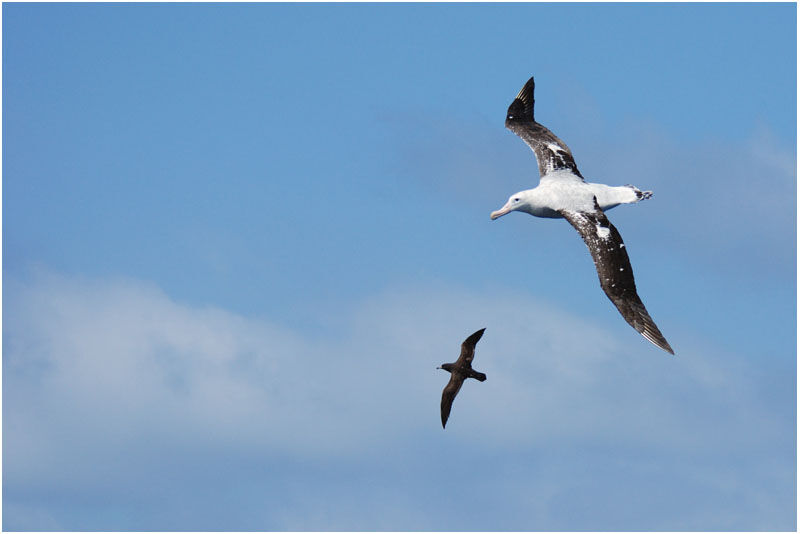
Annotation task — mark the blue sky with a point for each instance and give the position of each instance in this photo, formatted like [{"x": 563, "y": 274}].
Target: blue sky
[{"x": 238, "y": 239}]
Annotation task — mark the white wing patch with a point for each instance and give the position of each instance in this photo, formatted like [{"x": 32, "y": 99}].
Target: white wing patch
[{"x": 558, "y": 152}]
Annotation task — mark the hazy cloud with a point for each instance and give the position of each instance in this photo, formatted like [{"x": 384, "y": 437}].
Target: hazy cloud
[{"x": 109, "y": 381}]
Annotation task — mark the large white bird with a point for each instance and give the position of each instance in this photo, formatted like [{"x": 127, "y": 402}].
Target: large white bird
[{"x": 563, "y": 193}]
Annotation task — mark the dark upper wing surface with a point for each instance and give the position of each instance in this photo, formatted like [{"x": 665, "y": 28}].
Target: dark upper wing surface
[
  {"x": 449, "y": 394},
  {"x": 468, "y": 348},
  {"x": 614, "y": 270},
  {"x": 552, "y": 153}
]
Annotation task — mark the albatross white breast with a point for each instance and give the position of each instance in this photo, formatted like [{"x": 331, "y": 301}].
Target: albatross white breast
[{"x": 563, "y": 193}]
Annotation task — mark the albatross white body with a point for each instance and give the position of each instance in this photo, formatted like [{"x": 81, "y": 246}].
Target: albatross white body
[
  {"x": 563, "y": 190},
  {"x": 563, "y": 193}
]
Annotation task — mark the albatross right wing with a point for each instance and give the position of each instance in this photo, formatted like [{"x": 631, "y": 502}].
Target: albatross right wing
[
  {"x": 614, "y": 270},
  {"x": 552, "y": 154}
]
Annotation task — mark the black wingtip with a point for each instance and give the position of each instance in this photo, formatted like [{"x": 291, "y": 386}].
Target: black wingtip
[
  {"x": 664, "y": 344},
  {"x": 521, "y": 109},
  {"x": 650, "y": 331},
  {"x": 527, "y": 89},
  {"x": 661, "y": 343}
]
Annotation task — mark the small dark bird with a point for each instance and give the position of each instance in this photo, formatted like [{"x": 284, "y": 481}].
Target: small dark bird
[{"x": 459, "y": 371}]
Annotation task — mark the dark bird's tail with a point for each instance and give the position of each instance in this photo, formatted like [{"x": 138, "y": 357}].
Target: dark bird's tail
[{"x": 480, "y": 377}]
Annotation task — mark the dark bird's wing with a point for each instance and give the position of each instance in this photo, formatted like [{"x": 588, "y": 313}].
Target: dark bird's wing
[
  {"x": 468, "y": 349},
  {"x": 614, "y": 270},
  {"x": 449, "y": 394},
  {"x": 552, "y": 153}
]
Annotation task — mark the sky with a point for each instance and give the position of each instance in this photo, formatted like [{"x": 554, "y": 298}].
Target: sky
[{"x": 239, "y": 238}]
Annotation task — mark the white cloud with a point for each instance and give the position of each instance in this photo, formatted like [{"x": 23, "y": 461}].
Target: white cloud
[{"x": 101, "y": 376}]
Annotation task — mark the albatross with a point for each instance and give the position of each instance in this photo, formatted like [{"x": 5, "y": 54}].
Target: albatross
[
  {"x": 459, "y": 371},
  {"x": 563, "y": 193}
]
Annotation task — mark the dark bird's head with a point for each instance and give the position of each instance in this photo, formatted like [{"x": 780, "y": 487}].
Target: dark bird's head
[
  {"x": 447, "y": 367},
  {"x": 521, "y": 109}
]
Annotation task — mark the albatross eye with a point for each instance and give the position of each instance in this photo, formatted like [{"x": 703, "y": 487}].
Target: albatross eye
[{"x": 516, "y": 200}]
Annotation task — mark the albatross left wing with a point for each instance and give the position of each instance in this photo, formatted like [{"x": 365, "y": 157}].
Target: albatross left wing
[
  {"x": 614, "y": 270},
  {"x": 552, "y": 154}
]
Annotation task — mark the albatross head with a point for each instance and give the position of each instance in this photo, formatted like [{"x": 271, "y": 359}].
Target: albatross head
[{"x": 517, "y": 201}]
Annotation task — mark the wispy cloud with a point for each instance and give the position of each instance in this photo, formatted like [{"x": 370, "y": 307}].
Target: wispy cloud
[{"x": 108, "y": 381}]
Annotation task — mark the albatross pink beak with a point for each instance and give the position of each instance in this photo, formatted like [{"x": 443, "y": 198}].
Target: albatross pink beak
[{"x": 502, "y": 211}]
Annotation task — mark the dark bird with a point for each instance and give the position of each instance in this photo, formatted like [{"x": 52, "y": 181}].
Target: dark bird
[
  {"x": 563, "y": 193},
  {"x": 459, "y": 371}
]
